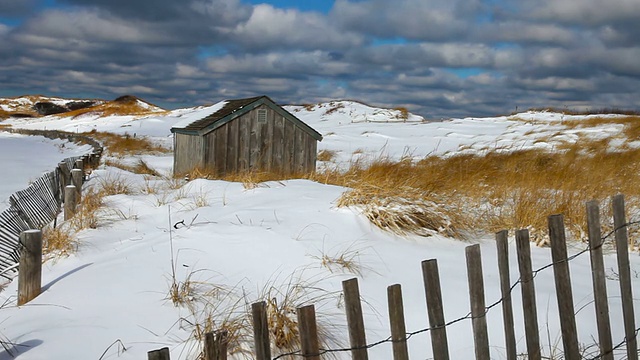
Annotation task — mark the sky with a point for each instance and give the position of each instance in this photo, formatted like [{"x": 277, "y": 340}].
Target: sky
[{"x": 438, "y": 58}]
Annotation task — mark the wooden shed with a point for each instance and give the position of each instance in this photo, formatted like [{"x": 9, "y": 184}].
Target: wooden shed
[{"x": 253, "y": 134}]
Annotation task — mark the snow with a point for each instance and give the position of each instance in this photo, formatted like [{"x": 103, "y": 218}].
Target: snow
[
  {"x": 26, "y": 158},
  {"x": 186, "y": 118},
  {"x": 350, "y": 111},
  {"x": 245, "y": 240}
]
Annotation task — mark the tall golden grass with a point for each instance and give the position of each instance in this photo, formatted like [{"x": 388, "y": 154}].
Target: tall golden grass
[
  {"x": 497, "y": 189},
  {"x": 123, "y": 145}
]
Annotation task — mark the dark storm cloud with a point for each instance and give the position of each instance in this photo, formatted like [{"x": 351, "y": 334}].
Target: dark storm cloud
[
  {"x": 17, "y": 8},
  {"x": 222, "y": 13},
  {"x": 436, "y": 57}
]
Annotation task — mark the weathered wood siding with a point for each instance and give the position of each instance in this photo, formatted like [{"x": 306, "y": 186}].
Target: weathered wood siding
[
  {"x": 247, "y": 144},
  {"x": 188, "y": 153}
]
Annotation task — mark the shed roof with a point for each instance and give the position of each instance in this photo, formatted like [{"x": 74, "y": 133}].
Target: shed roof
[{"x": 231, "y": 109}]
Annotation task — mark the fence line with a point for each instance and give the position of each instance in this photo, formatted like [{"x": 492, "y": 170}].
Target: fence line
[
  {"x": 469, "y": 316},
  {"x": 606, "y": 350},
  {"x": 40, "y": 203}
]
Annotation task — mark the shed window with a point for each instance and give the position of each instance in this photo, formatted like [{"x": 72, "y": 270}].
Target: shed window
[{"x": 262, "y": 116}]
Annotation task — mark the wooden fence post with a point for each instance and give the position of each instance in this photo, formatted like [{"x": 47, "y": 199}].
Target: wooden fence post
[
  {"x": 599, "y": 280},
  {"x": 435, "y": 310},
  {"x": 63, "y": 171},
  {"x": 160, "y": 354},
  {"x": 476, "y": 297},
  {"x": 76, "y": 180},
  {"x": 355, "y": 322},
  {"x": 502, "y": 245},
  {"x": 396, "y": 322},
  {"x": 261, "y": 331},
  {"x": 30, "y": 267},
  {"x": 308, "y": 332},
  {"x": 563, "y": 287},
  {"x": 527, "y": 287},
  {"x": 624, "y": 274},
  {"x": 79, "y": 164},
  {"x": 69, "y": 202},
  {"x": 215, "y": 345}
]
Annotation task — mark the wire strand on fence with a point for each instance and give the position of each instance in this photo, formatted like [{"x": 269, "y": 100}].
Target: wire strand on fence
[{"x": 496, "y": 303}]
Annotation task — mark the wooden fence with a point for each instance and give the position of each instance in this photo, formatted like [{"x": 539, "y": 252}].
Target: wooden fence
[
  {"x": 40, "y": 203},
  {"x": 215, "y": 343}
]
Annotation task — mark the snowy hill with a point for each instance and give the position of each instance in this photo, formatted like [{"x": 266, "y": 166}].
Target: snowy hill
[
  {"x": 36, "y": 106},
  {"x": 350, "y": 111}
]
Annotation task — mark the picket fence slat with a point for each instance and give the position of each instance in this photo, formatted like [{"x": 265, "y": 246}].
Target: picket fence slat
[
  {"x": 564, "y": 293},
  {"x": 215, "y": 345},
  {"x": 529, "y": 308},
  {"x": 160, "y": 354},
  {"x": 476, "y": 297},
  {"x": 396, "y": 322},
  {"x": 261, "y": 331},
  {"x": 435, "y": 310},
  {"x": 624, "y": 273},
  {"x": 502, "y": 245},
  {"x": 308, "y": 332},
  {"x": 599, "y": 280},
  {"x": 355, "y": 321}
]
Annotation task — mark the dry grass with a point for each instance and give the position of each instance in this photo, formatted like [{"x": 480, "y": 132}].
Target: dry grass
[
  {"x": 404, "y": 112},
  {"x": 59, "y": 241},
  {"x": 326, "y": 155},
  {"x": 125, "y": 105},
  {"x": 250, "y": 179},
  {"x": 283, "y": 298},
  {"x": 4, "y": 114},
  {"x": 151, "y": 186},
  {"x": 115, "y": 185},
  {"x": 333, "y": 107},
  {"x": 496, "y": 190},
  {"x": 126, "y": 145},
  {"x": 211, "y": 308},
  {"x": 139, "y": 167},
  {"x": 88, "y": 214},
  {"x": 214, "y": 308},
  {"x": 62, "y": 240},
  {"x": 200, "y": 199},
  {"x": 346, "y": 260}
]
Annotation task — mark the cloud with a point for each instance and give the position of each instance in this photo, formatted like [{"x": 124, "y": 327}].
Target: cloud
[
  {"x": 437, "y": 57},
  {"x": 295, "y": 64},
  {"x": 435, "y": 20},
  {"x": 587, "y": 13},
  {"x": 270, "y": 28},
  {"x": 222, "y": 13},
  {"x": 527, "y": 33},
  {"x": 17, "y": 8}
]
